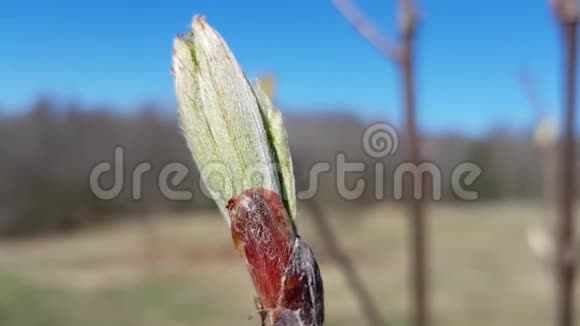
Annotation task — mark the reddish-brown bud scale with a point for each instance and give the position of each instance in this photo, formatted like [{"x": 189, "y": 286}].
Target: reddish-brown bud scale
[
  {"x": 283, "y": 269},
  {"x": 262, "y": 233}
]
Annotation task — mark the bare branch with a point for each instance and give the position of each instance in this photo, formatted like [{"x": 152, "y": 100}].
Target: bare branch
[
  {"x": 408, "y": 17},
  {"x": 567, "y": 12},
  {"x": 345, "y": 263},
  {"x": 530, "y": 90},
  {"x": 367, "y": 29},
  {"x": 418, "y": 226},
  {"x": 404, "y": 56}
]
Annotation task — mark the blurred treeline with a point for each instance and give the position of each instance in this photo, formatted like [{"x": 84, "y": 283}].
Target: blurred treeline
[{"x": 47, "y": 153}]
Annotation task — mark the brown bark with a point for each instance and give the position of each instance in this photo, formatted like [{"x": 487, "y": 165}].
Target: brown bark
[
  {"x": 417, "y": 228},
  {"x": 566, "y": 265}
]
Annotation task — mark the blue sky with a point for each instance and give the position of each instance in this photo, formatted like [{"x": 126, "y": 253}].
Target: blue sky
[{"x": 119, "y": 53}]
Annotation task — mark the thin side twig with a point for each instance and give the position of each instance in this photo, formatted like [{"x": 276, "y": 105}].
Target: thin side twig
[
  {"x": 544, "y": 143},
  {"x": 367, "y": 29},
  {"x": 530, "y": 91},
  {"x": 346, "y": 265},
  {"x": 541, "y": 239}
]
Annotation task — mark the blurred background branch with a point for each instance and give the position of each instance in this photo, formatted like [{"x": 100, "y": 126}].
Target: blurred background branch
[
  {"x": 403, "y": 56},
  {"x": 541, "y": 235},
  {"x": 348, "y": 268},
  {"x": 367, "y": 29},
  {"x": 567, "y": 13}
]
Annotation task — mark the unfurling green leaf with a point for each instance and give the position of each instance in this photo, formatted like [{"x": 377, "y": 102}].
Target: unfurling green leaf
[{"x": 237, "y": 138}]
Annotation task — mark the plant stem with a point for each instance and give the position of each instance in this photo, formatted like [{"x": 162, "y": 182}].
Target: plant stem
[
  {"x": 403, "y": 57},
  {"x": 417, "y": 229},
  {"x": 353, "y": 278},
  {"x": 566, "y": 269}
]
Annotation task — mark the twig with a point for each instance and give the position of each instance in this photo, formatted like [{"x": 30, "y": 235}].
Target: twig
[
  {"x": 567, "y": 12},
  {"x": 404, "y": 56},
  {"x": 545, "y": 138},
  {"x": 353, "y": 278},
  {"x": 541, "y": 239},
  {"x": 367, "y": 29},
  {"x": 418, "y": 234},
  {"x": 530, "y": 90}
]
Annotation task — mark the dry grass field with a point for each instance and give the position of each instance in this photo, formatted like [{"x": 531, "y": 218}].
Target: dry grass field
[{"x": 187, "y": 273}]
